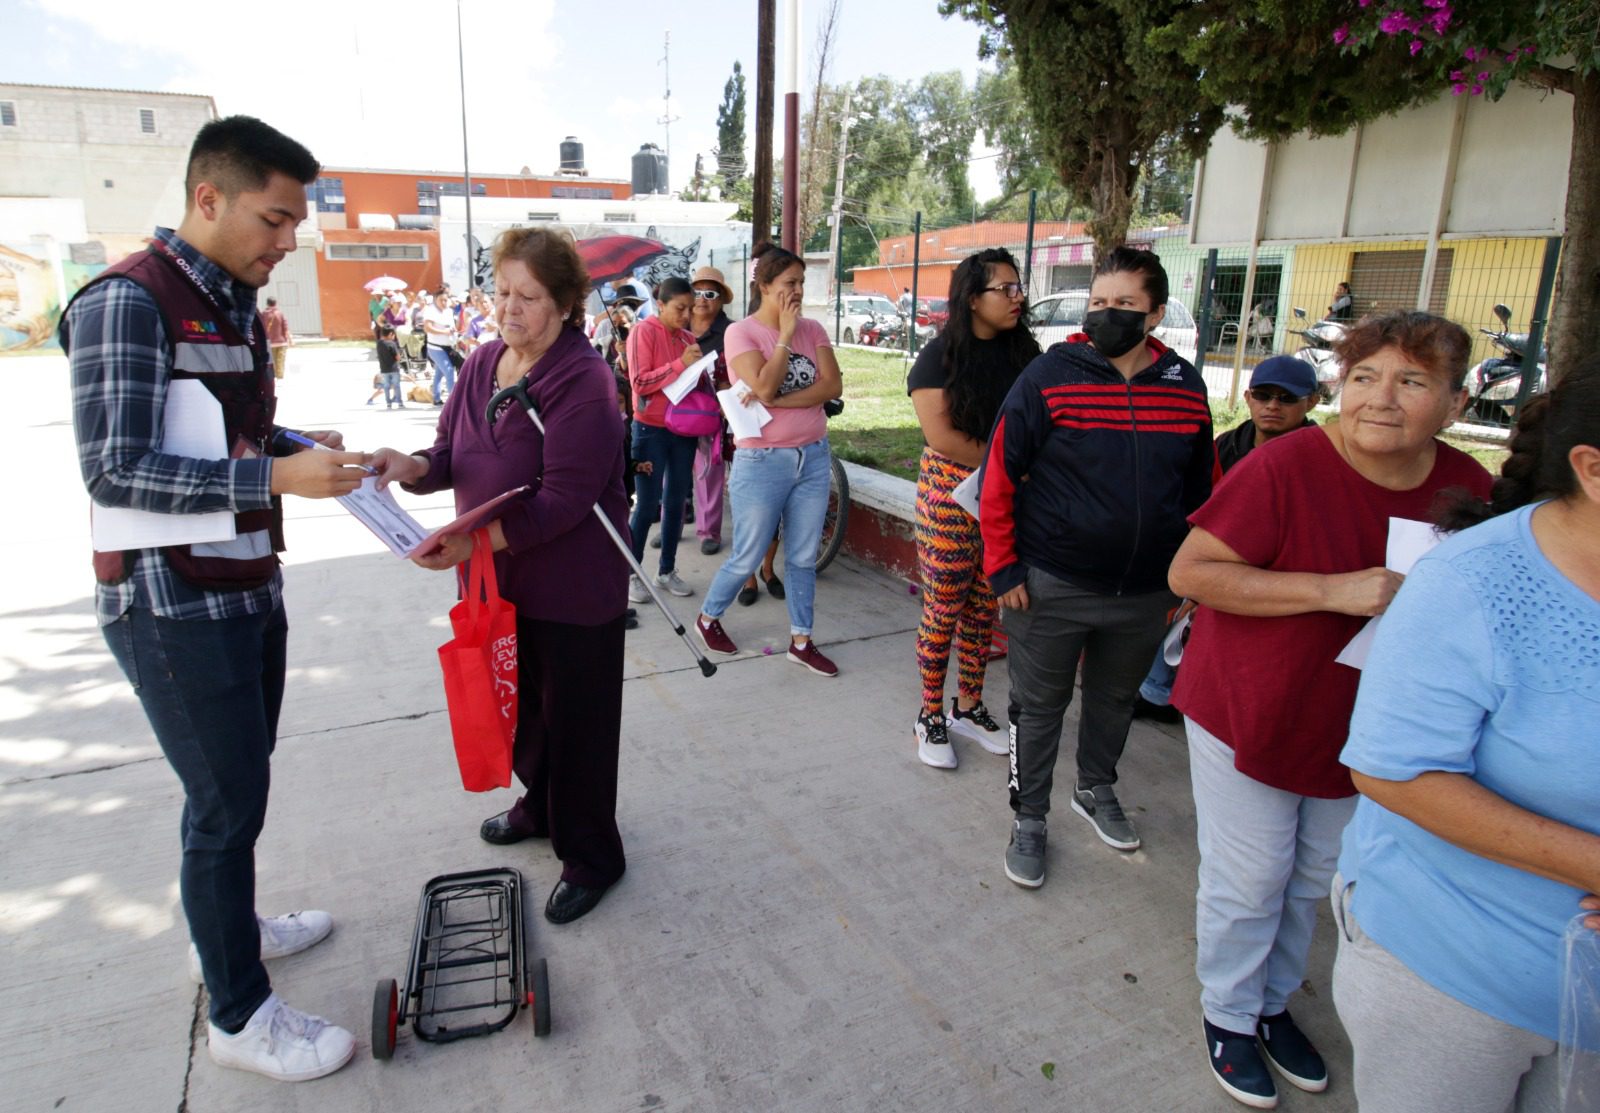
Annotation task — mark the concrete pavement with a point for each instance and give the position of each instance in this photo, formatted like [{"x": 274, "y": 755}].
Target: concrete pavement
[{"x": 811, "y": 919}]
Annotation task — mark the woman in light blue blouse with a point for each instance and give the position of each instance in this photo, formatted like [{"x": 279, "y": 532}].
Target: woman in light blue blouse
[{"x": 1476, "y": 746}]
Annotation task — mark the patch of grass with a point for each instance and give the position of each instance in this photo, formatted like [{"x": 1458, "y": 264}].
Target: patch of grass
[{"x": 878, "y": 428}]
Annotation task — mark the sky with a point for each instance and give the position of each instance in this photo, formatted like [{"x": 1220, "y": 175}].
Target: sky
[{"x": 377, "y": 85}]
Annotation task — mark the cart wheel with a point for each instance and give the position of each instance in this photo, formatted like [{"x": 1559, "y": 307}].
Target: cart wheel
[
  {"x": 385, "y": 1017},
  {"x": 539, "y": 991}
]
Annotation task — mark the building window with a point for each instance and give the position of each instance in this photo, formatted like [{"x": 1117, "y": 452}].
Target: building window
[
  {"x": 368, "y": 252},
  {"x": 428, "y": 194},
  {"x": 110, "y": 184},
  {"x": 147, "y": 120},
  {"x": 326, "y": 194},
  {"x": 584, "y": 193},
  {"x": 8, "y": 113},
  {"x": 618, "y": 218},
  {"x": 544, "y": 216}
]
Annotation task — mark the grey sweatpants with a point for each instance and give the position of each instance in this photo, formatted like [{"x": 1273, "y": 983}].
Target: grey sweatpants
[
  {"x": 1116, "y": 635},
  {"x": 1418, "y": 1050}
]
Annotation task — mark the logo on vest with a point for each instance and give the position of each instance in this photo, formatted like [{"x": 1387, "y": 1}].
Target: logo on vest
[{"x": 198, "y": 330}]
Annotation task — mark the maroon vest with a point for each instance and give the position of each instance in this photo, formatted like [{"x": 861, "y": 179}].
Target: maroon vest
[{"x": 238, "y": 373}]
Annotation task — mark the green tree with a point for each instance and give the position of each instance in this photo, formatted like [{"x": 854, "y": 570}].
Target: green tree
[
  {"x": 731, "y": 164},
  {"x": 1101, "y": 94},
  {"x": 1338, "y": 63}
]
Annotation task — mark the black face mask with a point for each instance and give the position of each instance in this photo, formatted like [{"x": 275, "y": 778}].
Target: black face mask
[{"x": 1115, "y": 332}]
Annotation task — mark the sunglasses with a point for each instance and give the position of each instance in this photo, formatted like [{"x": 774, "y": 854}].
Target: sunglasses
[
  {"x": 1271, "y": 394},
  {"x": 707, "y": 295},
  {"x": 1009, "y": 289}
]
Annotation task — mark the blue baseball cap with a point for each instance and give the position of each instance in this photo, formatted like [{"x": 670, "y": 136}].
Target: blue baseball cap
[{"x": 1296, "y": 376}]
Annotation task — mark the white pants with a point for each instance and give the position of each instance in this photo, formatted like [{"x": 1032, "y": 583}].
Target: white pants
[
  {"x": 1266, "y": 859},
  {"x": 1419, "y": 1050}
]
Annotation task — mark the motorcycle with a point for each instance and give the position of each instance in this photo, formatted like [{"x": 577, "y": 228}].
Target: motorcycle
[
  {"x": 1493, "y": 385},
  {"x": 1317, "y": 350},
  {"x": 887, "y": 331}
]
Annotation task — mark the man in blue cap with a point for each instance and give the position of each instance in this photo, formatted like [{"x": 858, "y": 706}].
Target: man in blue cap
[{"x": 1282, "y": 391}]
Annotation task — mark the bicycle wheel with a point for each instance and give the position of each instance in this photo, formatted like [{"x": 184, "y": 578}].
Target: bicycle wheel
[{"x": 837, "y": 518}]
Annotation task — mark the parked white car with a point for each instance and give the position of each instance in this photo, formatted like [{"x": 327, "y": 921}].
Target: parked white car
[
  {"x": 1057, "y": 316},
  {"x": 858, "y": 309}
]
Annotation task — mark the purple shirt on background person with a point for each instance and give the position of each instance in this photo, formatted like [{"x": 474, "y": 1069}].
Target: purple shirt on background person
[{"x": 559, "y": 565}]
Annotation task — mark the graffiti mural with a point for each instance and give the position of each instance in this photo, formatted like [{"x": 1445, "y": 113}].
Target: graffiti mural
[{"x": 30, "y": 305}]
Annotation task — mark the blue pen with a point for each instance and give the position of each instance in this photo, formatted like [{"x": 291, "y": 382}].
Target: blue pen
[{"x": 302, "y": 439}]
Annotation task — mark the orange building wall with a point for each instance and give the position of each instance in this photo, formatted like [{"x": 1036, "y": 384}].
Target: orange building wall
[
  {"x": 962, "y": 240},
  {"x": 933, "y": 280},
  {"x": 395, "y": 192},
  {"x": 344, "y": 301}
]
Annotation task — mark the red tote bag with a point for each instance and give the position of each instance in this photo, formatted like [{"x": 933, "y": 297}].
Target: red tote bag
[{"x": 480, "y": 675}]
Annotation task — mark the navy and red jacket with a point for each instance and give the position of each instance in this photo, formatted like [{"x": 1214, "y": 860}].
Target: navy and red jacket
[{"x": 1091, "y": 477}]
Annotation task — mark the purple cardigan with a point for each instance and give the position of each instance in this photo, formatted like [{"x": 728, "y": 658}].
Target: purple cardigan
[{"x": 559, "y": 565}]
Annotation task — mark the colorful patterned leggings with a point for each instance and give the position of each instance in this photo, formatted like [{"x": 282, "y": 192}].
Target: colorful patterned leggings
[{"x": 956, "y": 600}]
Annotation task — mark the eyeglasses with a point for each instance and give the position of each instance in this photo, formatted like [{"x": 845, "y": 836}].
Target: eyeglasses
[
  {"x": 1009, "y": 289},
  {"x": 708, "y": 295},
  {"x": 1271, "y": 394}
]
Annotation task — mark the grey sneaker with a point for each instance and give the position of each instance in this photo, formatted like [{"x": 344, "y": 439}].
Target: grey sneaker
[
  {"x": 1099, "y": 805},
  {"x": 637, "y": 592},
  {"x": 1025, "y": 855},
  {"x": 671, "y": 582}
]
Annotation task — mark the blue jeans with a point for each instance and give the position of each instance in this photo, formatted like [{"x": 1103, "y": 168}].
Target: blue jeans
[
  {"x": 671, "y": 469},
  {"x": 444, "y": 372},
  {"x": 391, "y": 388},
  {"x": 211, "y": 690},
  {"x": 1158, "y": 682},
  {"x": 768, "y": 486}
]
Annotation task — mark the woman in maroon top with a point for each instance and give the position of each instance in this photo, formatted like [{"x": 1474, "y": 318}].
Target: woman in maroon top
[
  {"x": 566, "y": 578},
  {"x": 1287, "y": 560}
]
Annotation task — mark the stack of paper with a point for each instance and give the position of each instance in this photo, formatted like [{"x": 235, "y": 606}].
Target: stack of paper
[{"x": 745, "y": 419}]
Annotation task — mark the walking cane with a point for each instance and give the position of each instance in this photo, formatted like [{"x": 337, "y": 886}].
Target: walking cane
[{"x": 519, "y": 392}]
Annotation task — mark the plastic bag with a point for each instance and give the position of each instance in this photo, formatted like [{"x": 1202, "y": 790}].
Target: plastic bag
[
  {"x": 480, "y": 675},
  {"x": 1580, "y": 1018}
]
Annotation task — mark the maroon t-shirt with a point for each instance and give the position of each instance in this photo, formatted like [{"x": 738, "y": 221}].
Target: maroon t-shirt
[{"x": 1269, "y": 687}]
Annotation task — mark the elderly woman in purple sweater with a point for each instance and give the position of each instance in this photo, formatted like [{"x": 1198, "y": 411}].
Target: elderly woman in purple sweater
[{"x": 566, "y": 578}]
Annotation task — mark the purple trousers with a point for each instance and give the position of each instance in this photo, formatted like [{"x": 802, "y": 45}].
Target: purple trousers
[
  {"x": 710, "y": 471},
  {"x": 569, "y": 728}
]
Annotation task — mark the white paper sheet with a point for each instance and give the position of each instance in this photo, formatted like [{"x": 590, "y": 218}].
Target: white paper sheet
[
  {"x": 379, "y": 512},
  {"x": 1172, "y": 644},
  {"x": 1408, "y": 541},
  {"x": 191, "y": 425},
  {"x": 743, "y": 420},
  {"x": 965, "y": 493},
  {"x": 684, "y": 383}
]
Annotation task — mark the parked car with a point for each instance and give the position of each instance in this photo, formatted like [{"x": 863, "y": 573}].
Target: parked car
[
  {"x": 1057, "y": 316},
  {"x": 858, "y": 309},
  {"x": 933, "y": 312}
]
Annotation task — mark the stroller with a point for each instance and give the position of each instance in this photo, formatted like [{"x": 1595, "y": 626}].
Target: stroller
[{"x": 414, "y": 354}]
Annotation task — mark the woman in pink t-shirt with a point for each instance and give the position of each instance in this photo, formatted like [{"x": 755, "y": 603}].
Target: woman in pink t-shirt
[{"x": 782, "y": 475}]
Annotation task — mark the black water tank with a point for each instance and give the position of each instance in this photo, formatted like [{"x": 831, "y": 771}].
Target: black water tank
[
  {"x": 572, "y": 156},
  {"x": 649, "y": 170}
]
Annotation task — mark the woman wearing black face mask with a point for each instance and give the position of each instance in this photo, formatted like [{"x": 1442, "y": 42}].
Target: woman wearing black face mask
[{"x": 1100, "y": 452}]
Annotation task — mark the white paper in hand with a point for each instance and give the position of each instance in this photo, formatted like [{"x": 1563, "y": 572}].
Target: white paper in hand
[
  {"x": 1408, "y": 541},
  {"x": 743, "y": 420},
  {"x": 684, "y": 383}
]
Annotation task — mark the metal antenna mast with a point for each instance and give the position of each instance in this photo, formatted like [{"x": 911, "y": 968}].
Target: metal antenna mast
[{"x": 667, "y": 118}]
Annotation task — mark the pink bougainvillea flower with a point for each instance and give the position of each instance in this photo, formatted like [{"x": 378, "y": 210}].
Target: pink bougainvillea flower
[
  {"x": 1471, "y": 54},
  {"x": 1512, "y": 57},
  {"x": 1483, "y": 75},
  {"x": 1457, "y": 76},
  {"x": 1457, "y": 89},
  {"x": 1340, "y": 34},
  {"x": 1416, "y": 47},
  {"x": 1477, "y": 89},
  {"x": 1365, "y": 3}
]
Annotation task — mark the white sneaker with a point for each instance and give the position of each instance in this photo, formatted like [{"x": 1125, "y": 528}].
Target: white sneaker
[
  {"x": 280, "y": 936},
  {"x": 637, "y": 592},
  {"x": 933, "y": 743},
  {"x": 671, "y": 582},
  {"x": 283, "y": 1043},
  {"x": 979, "y": 726}
]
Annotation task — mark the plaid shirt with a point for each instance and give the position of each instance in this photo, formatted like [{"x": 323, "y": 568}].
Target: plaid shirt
[{"x": 121, "y": 363}]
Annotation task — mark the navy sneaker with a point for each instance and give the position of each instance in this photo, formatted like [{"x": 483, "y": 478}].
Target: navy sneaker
[
  {"x": 1239, "y": 1069},
  {"x": 1291, "y": 1054}
]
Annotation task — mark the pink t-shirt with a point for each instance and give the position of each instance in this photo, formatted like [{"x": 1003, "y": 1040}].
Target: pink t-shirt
[{"x": 788, "y": 428}]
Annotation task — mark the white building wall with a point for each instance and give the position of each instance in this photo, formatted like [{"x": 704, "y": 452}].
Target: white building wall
[{"x": 70, "y": 143}]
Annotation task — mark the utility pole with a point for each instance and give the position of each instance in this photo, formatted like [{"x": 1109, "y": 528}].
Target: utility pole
[
  {"x": 667, "y": 118},
  {"x": 761, "y": 202},
  {"x": 791, "y": 133},
  {"x": 838, "y": 197}
]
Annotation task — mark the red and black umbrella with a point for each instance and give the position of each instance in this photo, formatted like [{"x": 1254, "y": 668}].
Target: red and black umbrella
[{"x": 609, "y": 258}]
